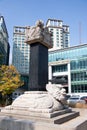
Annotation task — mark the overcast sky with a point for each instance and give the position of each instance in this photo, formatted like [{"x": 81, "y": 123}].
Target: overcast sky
[{"x": 27, "y": 12}]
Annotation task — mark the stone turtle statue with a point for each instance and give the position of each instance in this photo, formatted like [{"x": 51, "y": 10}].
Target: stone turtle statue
[{"x": 39, "y": 101}]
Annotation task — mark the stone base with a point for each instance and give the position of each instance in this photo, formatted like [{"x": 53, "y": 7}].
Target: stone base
[
  {"x": 39, "y": 106},
  {"x": 35, "y": 101},
  {"x": 37, "y": 116},
  {"x": 9, "y": 123},
  {"x": 57, "y": 117},
  {"x": 20, "y": 118},
  {"x": 25, "y": 113}
]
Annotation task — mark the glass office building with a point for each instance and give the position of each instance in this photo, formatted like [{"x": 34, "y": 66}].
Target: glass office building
[
  {"x": 4, "y": 43},
  {"x": 71, "y": 65},
  {"x": 21, "y": 51},
  {"x": 20, "y": 58}
]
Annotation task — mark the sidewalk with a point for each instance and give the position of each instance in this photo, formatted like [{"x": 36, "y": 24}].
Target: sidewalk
[{"x": 83, "y": 111}]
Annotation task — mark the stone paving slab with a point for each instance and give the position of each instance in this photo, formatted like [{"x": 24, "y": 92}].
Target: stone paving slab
[
  {"x": 7, "y": 123},
  {"x": 78, "y": 123}
]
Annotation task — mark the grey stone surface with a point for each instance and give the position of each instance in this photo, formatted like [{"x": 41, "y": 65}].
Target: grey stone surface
[
  {"x": 54, "y": 118},
  {"x": 38, "y": 69},
  {"x": 42, "y": 102},
  {"x": 9, "y": 123},
  {"x": 14, "y": 123},
  {"x": 39, "y": 33}
]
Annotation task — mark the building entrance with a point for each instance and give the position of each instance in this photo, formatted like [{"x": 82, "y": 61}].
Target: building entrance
[{"x": 61, "y": 80}]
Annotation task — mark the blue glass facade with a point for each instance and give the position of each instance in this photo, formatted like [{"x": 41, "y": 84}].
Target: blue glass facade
[
  {"x": 4, "y": 43},
  {"x": 20, "y": 51},
  {"x": 77, "y": 56},
  {"x": 59, "y": 68},
  {"x": 69, "y": 53}
]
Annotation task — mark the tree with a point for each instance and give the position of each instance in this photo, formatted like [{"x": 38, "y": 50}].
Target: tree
[
  {"x": 9, "y": 80},
  {"x": 1, "y": 58}
]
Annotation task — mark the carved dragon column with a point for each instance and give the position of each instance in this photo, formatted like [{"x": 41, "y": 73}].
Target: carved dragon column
[{"x": 39, "y": 39}]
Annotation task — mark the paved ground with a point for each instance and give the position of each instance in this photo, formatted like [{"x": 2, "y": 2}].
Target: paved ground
[{"x": 83, "y": 111}]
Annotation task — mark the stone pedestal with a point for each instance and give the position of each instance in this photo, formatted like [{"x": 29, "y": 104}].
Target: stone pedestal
[{"x": 11, "y": 123}]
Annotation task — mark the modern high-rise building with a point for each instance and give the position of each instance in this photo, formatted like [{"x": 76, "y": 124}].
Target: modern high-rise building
[
  {"x": 60, "y": 33},
  {"x": 4, "y": 43},
  {"x": 20, "y": 58}
]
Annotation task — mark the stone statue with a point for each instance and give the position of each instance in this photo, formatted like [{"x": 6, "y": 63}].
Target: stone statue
[
  {"x": 36, "y": 31},
  {"x": 44, "y": 102},
  {"x": 39, "y": 32},
  {"x": 57, "y": 91}
]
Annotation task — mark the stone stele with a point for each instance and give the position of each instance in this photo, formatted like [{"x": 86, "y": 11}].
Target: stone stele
[
  {"x": 39, "y": 39},
  {"x": 53, "y": 98}
]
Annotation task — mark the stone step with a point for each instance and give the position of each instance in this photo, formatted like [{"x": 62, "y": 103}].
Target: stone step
[
  {"x": 61, "y": 112},
  {"x": 55, "y": 120},
  {"x": 65, "y": 117},
  {"x": 36, "y": 114},
  {"x": 79, "y": 123}
]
